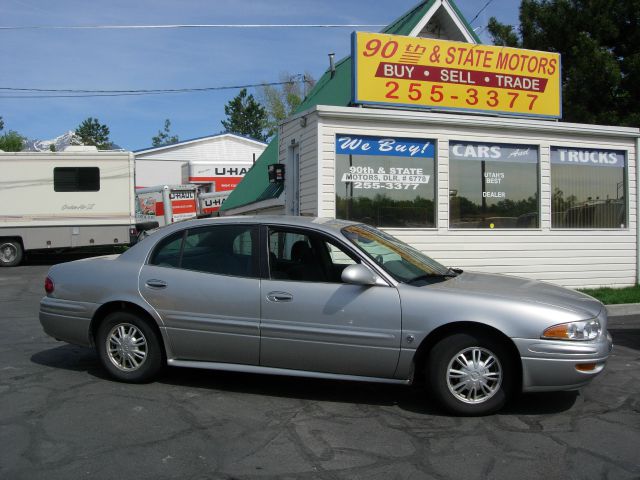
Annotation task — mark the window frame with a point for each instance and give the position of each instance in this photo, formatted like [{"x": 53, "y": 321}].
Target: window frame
[
  {"x": 256, "y": 253},
  {"x": 625, "y": 181},
  {"x": 77, "y": 189},
  {"x": 309, "y": 232},
  {"x": 541, "y": 215},
  {"x": 436, "y": 176}
]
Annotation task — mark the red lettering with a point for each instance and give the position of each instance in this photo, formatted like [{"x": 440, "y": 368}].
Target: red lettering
[
  {"x": 543, "y": 65},
  {"x": 503, "y": 60},
  {"x": 450, "y": 55}
]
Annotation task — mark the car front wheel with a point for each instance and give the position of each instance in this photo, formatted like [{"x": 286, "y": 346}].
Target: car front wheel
[
  {"x": 470, "y": 374},
  {"x": 129, "y": 348}
]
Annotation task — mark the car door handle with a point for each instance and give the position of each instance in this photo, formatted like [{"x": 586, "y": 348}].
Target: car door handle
[
  {"x": 279, "y": 297},
  {"x": 156, "y": 283}
]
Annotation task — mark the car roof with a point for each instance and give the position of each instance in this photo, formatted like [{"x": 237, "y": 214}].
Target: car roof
[
  {"x": 327, "y": 225},
  {"x": 320, "y": 223}
]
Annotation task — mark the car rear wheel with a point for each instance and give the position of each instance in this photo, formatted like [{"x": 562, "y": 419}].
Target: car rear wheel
[
  {"x": 129, "y": 348},
  {"x": 10, "y": 253},
  {"x": 470, "y": 374}
]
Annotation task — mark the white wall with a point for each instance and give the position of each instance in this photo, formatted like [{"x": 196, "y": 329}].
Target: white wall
[
  {"x": 307, "y": 139},
  {"x": 576, "y": 258},
  {"x": 150, "y": 173},
  {"x": 161, "y": 166}
]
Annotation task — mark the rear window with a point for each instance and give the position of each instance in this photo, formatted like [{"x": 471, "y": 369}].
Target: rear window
[{"x": 76, "y": 179}]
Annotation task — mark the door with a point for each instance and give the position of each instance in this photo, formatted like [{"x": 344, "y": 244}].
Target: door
[
  {"x": 313, "y": 321},
  {"x": 204, "y": 284}
]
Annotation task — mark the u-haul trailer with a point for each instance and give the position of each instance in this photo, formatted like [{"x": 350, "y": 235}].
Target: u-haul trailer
[
  {"x": 55, "y": 200},
  {"x": 210, "y": 203},
  {"x": 167, "y": 204}
]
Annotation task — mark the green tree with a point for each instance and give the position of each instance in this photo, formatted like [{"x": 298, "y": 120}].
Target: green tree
[
  {"x": 92, "y": 132},
  {"x": 281, "y": 101},
  {"x": 11, "y": 141},
  {"x": 598, "y": 41},
  {"x": 245, "y": 116},
  {"x": 164, "y": 136},
  {"x": 1, "y": 124}
]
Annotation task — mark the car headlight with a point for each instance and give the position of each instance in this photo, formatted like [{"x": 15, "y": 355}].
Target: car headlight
[{"x": 584, "y": 330}]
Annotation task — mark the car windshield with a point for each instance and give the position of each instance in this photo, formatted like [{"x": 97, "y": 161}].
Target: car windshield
[{"x": 401, "y": 261}]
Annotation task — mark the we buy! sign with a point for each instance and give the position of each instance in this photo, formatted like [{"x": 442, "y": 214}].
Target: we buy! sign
[{"x": 440, "y": 74}]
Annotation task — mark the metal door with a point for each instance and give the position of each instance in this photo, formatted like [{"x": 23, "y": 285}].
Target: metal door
[
  {"x": 208, "y": 316},
  {"x": 326, "y": 326}
]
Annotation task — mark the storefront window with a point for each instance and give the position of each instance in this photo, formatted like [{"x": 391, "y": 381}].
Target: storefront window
[
  {"x": 386, "y": 182},
  {"x": 493, "y": 185},
  {"x": 588, "y": 188}
]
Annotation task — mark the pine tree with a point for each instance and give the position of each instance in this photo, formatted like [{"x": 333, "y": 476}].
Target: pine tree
[
  {"x": 92, "y": 132},
  {"x": 245, "y": 116},
  {"x": 164, "y": 136}
]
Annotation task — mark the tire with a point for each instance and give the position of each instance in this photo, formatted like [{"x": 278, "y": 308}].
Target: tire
[
  {"x": 10, "y": 253},
  {"x": 129, "y": 348},
  {"x": 470, "y": 374}
]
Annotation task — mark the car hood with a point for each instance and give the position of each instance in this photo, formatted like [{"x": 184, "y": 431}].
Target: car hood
[{"x": 525, "y": 290}]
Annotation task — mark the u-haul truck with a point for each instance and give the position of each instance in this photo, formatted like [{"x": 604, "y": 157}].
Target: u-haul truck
[
  {"x": 222, "y": 177},
  {"x": 81, "y": 197}
]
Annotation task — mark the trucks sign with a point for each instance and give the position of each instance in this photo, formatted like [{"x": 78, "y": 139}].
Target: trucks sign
[{"x": 439, "y": 74}]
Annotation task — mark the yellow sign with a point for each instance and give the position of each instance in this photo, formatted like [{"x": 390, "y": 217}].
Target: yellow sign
[{"x": 439, "y": 74}]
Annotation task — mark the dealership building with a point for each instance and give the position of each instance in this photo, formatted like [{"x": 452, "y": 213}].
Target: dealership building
[{"x": 458, "y": 149}]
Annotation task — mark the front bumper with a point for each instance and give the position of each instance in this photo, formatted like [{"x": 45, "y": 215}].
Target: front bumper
[{"x": 551, "y": 365}]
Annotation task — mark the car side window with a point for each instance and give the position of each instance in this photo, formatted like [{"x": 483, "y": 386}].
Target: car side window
[
  {"x": 222, "y": 249},
  {"x": 167, "y": 252},
  {"x": 306, "y": 257}
]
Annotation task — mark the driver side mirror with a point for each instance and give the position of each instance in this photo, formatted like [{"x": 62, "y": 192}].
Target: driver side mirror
[{"x": 359, "y": 275}]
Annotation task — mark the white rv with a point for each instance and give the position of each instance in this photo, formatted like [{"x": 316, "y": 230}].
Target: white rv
[{"x": 75, "y": 198}]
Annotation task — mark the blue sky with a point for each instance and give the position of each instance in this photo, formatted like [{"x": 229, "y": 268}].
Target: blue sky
[{"x": 183, "y": 58}]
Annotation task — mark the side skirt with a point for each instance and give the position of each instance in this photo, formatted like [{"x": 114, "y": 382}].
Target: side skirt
[{"x": 230, "y": 367}]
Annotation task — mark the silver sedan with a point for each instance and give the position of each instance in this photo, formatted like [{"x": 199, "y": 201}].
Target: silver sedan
[{"x": 328, "y": 299}]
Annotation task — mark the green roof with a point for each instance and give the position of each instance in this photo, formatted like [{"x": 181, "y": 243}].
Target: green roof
[
  {"x": 255, "y": 184},
  {"x": 336, "y": 91},
  {"x": 407, "y": 22}
]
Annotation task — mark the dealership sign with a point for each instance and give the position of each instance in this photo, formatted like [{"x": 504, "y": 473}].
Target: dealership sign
[
  {"x": 395, "y": 147},
  {"x": 439, "y": 74},
  {"x": 585, "y": 156},
  {"x": 399, "y": 174},
  {"x": 494, "y": 152}
]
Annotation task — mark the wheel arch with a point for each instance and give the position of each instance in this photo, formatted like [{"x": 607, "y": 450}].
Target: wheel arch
[
  {"x": 443, "y": 331},
  {"x": 124, "y": 306}
]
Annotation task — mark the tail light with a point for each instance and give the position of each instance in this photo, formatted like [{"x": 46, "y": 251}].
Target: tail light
[{"x": 48, "y": 286}]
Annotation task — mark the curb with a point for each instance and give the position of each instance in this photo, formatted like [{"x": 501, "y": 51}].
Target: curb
[
  {"x": 625, "y": 315},
  {"x": 623, "y": 309}
]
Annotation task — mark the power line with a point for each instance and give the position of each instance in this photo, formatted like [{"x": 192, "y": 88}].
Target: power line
[
  {"x": 480, "y": 11},
  {"x": 177, "y": 26},
  {"x": 82, "y": 93}
]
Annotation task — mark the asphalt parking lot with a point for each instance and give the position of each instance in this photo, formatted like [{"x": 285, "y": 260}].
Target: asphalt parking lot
[{"x": 61, "y": 417}]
